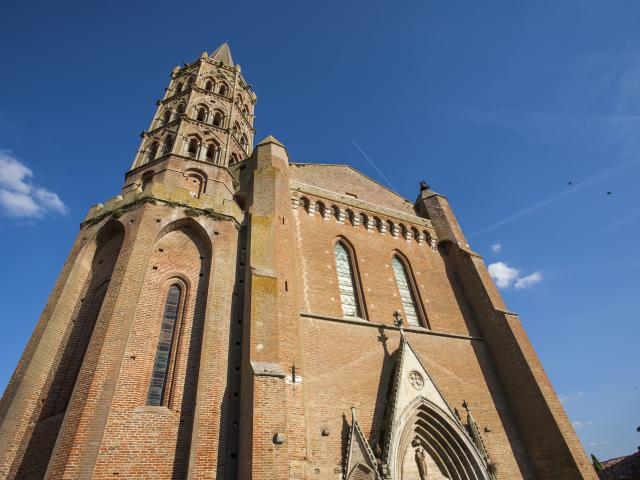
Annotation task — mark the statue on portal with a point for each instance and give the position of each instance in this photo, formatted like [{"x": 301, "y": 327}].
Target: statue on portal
[{"x": 421, "y": 459}]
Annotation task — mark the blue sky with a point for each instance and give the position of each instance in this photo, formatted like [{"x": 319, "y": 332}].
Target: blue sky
[{"x": 498, "y": 107}]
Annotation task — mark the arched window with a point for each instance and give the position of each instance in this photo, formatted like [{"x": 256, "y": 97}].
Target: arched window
[
  {"x": 202, "y": 114},
  {"x": 179, "y": 87},
  {"x": 156, "y": 395},
  {"x": 208, "y": 86},
  {"x": 166, "y": 118},
  {"x": 153, "y": 150},
  {"x": 407, "y": 294},
  {"x": 181, "y": 108},
  {"x": 167, "y": 145},
  {"x": 235, "y": 128},
  {"x": 146, "y": 179},
  {"x": 193, "y": 147},
  {"x": 213, "y": 153},
  {"x": 347, "y": 281},
  {"x": 246, "y": 110},
  {"x": 218, "y": 119},
  {"x": 245, "y": 143},
  {"x": 234, "y": 158},
  {"x": 223, "y": 89}
]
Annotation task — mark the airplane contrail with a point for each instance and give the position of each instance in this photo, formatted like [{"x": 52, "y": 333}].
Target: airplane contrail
[
  {"x": 374, "y": 165},
  {"x": 558, "y": 196}
]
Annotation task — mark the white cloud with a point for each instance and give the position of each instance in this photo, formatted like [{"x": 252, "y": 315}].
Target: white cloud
[
  {"x": 496, "y": 247},
  {"x": 529, "y": 280},
  {"x": 570, "y": 397},
  {"x": 578, "y": 424},
  {"x": 503, "y": 274},
  {"x": 19, "y": 195},
  {"x": 506, "y": 276}
]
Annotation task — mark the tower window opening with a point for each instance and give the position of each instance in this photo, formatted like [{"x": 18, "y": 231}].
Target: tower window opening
[
  {"x": 146, "y": 179},
  {"x": 179, "y": 87},
  {"x": 167, "y": 145},
  {"x": 407, "y": 294},
  {"x": 223, "y": 90},
  {"x": 234, "y": 158},
  {"x": 244, "y": 142},
  {"x": 209, "y": 86},
  {"x": 166, "y": 118},
  {"x": 218, "y": 119},
  {"x": 192, "y": 149},
  {"x": 202, "y": 114},
  {"x": 347, "y": 281},
  {"x": 157, "y": 387},
  {"x": 153, "y": 150},
  {"x": 213, "y": 153},
  {"x": 181, "y": 108}
]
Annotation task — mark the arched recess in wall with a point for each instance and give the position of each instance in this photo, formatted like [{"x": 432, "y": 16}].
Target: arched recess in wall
[
  {"x": 348, "y": 276},
  {"x": 181, "y": 257},
  {"x": 447, "y": 453},
  {"x": 91, "y": 276},
  {"x": 195, "y": 181}
]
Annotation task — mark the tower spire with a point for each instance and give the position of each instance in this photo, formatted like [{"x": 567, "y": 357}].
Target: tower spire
[{"x": 222, "y": 54}]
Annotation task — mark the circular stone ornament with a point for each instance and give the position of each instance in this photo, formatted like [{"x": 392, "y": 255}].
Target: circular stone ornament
[{"x": 416, "y": 380}]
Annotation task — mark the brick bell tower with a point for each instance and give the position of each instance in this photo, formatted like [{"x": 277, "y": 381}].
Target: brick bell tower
[{"x": 133, "y": 367}]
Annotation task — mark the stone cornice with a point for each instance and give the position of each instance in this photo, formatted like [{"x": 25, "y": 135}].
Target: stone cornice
[
  {"x": 367, "y": 323},
  {"x": 361, "y": 204}
]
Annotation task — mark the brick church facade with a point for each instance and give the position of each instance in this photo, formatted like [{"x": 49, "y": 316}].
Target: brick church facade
[{"x": 233, "y": 315}]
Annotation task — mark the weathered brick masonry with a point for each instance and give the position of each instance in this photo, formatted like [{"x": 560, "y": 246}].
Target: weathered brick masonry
[{"x": 321, "y": 326}]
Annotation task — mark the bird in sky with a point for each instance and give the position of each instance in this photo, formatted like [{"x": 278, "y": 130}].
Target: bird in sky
[
  {"x": 569, "y": 183},
  {"x": 609, "y": 193}
]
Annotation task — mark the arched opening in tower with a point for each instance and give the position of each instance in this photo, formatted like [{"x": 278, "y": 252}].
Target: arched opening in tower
[{"x": 78, "y": 335}]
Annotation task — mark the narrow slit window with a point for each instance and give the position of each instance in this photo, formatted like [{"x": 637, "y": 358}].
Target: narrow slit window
[
  {"x": 406, "y": 292},
  {"x": 165, "y": 343},
  {"x": 346, "y": 282}
]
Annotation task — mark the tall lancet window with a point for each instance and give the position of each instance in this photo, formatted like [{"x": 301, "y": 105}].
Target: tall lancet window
[
  {"x": 407, "y": 294},
  {"x": 347, "y": 281},
  {"x": 157, "y": 387}
]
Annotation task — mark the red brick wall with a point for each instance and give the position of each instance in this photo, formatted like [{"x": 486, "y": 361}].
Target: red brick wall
[{"x": 349, "y": 364}]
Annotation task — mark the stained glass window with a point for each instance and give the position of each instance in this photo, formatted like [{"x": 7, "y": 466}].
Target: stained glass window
[
  {"x": 346, "y": 282},
  {"x": 165, "y": 343},
  {"x": 406, "y": 291}
]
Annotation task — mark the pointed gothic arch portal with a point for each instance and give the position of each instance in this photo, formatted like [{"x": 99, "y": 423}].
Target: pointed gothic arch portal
[{"x": 432, "y": 446}]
